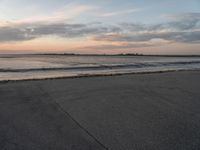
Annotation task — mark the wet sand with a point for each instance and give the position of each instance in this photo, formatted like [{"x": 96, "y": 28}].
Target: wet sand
[{"x": 130, "y": 112}]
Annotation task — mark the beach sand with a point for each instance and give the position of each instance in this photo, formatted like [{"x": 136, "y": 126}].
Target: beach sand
[{"x": 130, "y": 112}]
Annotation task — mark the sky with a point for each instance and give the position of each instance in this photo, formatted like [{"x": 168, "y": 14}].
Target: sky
[{"x": 100, "y": 26}]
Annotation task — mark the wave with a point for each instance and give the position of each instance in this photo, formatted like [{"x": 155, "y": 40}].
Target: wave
[{"x": 103, "y": 67}]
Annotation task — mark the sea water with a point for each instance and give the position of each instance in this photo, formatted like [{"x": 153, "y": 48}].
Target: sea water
[{"x": 20, "y": 67}]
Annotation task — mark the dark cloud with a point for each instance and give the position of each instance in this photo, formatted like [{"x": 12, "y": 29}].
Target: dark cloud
[
  {"x": 31, "y": 31},
  {"x": 133, "y": 27},
  {"x": 72, "y": 30},
  {"x": 179, "y": 22},
  {"x": 182, "y": 28},
  {"x": 8, "y": 34},
  {"x": 188, "y": 37}
]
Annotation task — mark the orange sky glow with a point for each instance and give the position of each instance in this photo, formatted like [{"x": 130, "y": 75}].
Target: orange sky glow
[{"x": 90, "y": 27}]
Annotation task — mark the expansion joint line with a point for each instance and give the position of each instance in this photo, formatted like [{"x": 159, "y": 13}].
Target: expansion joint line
[{"x": 90, "y": 134}]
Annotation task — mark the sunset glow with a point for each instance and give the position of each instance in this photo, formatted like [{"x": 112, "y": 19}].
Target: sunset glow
[{"x": 107, "y": 26}]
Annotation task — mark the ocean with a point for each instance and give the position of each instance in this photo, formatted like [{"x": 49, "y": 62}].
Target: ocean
[{"x": 23, "y": 67}]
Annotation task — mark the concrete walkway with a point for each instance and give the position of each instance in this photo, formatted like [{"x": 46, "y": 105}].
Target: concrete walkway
[{"x": 130, "y": 112}]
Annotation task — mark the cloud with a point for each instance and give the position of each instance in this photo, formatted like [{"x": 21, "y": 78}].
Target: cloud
[
  {"x": 117, "y": 13},
  {"x": 185, "y": 29},
  {"x": 70, "y": 30},
  {"x": 185, "y": 16},
  {"x": 25, "y": 32},
  {"x": 189, "y": 37},
  {"x": 8, "y": 34}
]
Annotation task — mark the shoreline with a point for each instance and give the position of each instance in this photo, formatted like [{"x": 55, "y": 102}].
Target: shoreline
[{"x": 96, "y": 75}]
